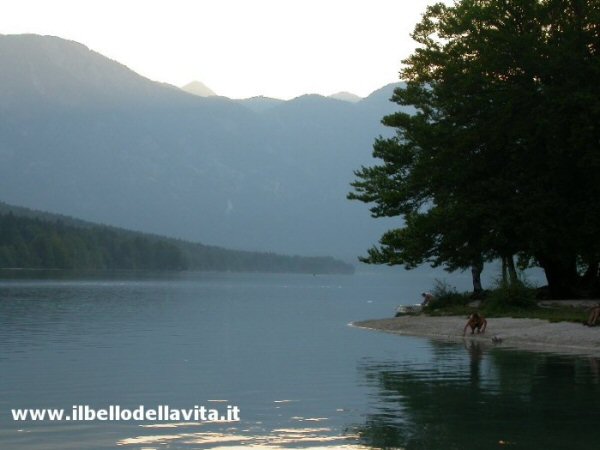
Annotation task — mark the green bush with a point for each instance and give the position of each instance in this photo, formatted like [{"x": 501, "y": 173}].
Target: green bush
[
  {"x": 519, "y": 295},
  {"x": 446, "y": 296},
  {"x": 517, "y": 300}
]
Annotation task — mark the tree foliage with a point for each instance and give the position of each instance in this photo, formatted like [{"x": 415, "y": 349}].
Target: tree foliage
[
  {"x": 34, "y": 243},
  {"x": 502, "y": 153},
  {"x": 44, "y": 243}
]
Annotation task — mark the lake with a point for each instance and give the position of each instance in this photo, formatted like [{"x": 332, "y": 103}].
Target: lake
[{"x": 278, "y": 347}]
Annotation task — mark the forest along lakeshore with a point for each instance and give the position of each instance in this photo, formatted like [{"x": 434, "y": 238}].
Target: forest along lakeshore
[{"x": 32, "y": 239}]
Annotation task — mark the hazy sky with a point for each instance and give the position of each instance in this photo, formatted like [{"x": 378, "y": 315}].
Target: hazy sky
[{"x": 239, "y": 48}]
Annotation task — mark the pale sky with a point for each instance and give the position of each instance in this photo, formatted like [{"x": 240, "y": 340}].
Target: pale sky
[{"x": 240, "y": 49}]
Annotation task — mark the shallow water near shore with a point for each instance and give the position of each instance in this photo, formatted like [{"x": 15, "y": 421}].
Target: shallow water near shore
[{"x": 279, "y": 347}]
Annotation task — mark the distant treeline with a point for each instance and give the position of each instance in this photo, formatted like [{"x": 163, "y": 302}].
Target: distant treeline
[{"x": 42, "y": 242}]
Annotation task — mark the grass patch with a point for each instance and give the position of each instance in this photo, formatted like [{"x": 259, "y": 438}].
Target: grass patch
[
  {"x": 555, "y": 314},
  {"x": 517, "y": 301}
]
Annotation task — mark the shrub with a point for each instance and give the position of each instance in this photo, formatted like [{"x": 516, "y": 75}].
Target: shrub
[
  {"x": 518, "y": 295},
  {"x": 445, "y": 296}
]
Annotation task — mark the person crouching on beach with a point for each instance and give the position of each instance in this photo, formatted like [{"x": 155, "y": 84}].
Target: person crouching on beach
[
  {"x": 476, "y": 322},
  {"x": 593, "y": 317},
  {"x": 427, "y": 297}
]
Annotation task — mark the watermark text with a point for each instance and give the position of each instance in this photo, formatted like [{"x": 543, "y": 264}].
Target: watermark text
[{"x": 114, "y": 413}]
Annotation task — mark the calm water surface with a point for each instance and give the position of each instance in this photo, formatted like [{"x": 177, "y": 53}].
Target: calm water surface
[{"x": 279, "y": 347}]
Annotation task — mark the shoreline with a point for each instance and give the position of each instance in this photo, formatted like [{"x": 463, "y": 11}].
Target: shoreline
[{"x": 523, "y": 334}]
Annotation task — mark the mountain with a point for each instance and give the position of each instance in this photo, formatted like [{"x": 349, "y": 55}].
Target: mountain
[
  {"x": 260, "y": 104},
  {"x": 198, "y": 88},
  {"x": 84, "y": 136},
  {"x": 346, "y": 96},
  {"x": 52, "y": 72}
]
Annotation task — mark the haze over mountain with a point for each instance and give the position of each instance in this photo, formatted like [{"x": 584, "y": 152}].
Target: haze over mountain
[
  {"x": 198, "y": 88},
  {"x": 260, "y": 104},
  {"x": 85, "y": 136},
  {"x": 346, "y": 96}
]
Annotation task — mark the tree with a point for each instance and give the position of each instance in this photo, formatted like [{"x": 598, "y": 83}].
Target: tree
[{"x": 500, "y": 155}]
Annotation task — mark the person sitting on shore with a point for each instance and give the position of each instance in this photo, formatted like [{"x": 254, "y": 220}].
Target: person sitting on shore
[
  {"x": 476, "y": 322},
  {"x": 593, "y": 317},
  {"x": 427, "y": 297}
]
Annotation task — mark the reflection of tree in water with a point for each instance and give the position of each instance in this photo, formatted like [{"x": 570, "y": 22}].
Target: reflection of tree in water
[{"x": 482, "y": 399}]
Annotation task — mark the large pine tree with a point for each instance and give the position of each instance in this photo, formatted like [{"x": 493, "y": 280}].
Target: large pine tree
[{"x": 502, "y": 154}]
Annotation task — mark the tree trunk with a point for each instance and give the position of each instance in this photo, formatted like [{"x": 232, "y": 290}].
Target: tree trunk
[
  {"x": 561, "y": 275},
  {"x": 590, "y": 281},
  {"x": 509, "y": 272},
  {"x": 512, "y": 272},
  {"x": 476, "y": 269},
  {"x": 590, "y": 277}
]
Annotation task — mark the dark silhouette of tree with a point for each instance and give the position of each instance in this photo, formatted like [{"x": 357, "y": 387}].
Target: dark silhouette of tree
[{"x": 500, "y": 157}]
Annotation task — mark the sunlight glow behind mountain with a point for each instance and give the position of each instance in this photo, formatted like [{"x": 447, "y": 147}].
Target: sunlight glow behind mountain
[{"x": 240, "y": 49}]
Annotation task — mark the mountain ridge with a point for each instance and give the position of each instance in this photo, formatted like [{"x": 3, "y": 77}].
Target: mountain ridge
[
  {"x": 147, "y": 156},
  {"x": 198, "y": 88},
  {"x": 346, "y": 96},
  {"x": 57, "y": 241}
]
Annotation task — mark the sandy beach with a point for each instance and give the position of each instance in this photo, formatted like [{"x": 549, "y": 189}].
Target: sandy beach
[{"x": 527, "y": 334}]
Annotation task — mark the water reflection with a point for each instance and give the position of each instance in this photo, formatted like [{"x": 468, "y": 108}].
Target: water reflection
[
  {"x": 314, "y": 438},
  {"x": 485, "y": 398}
]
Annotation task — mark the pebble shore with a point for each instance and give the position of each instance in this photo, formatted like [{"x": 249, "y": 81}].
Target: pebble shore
[{"x": 528, "y": 334}]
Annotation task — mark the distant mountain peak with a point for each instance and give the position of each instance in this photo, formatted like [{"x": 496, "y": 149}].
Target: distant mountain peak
[
  {"x": 346, "y": 96},
  {"x": 198, "y": 88},
  {"x": 260, "y": 103}
]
